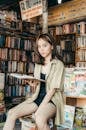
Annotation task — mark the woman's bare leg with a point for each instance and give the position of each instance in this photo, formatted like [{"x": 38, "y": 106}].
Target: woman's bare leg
[
  {"x": 20, "y": 110},
  {"x": 43, "y": 114}
]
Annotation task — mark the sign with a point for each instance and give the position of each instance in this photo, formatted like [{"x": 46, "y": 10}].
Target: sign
[{"x": 30, "y": 8}]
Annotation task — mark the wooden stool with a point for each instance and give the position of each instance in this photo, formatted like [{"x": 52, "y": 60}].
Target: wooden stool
[{"x": 28, "y": 123}]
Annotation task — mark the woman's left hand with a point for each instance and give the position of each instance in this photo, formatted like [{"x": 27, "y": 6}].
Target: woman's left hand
[{"x": 33, "y": 84}]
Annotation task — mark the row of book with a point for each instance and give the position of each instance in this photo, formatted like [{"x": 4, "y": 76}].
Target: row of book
[
  {"x": 10, "y": 24},
  {"x": 16, "y": 42},
  {"x": 68, "y": 57},
  {"x": 9, "y": 54},
  {"x": 17, "y": 90},
  {"x": 10, "y": 80},
  {"x": 75, "y": 82},
  {"x": 81, "y": 55},
  {"x": 20, "y": 26},
  {"x": 81, "y": 64},
  {"x": 14, "y": 66},
  {"x": 81, "y": 51},
  {"x": 30, "y": 27},
  {"x": 79, "y": 28},
  {"x": 67, "y": 45},
  {"x": 81, "y": 41}
]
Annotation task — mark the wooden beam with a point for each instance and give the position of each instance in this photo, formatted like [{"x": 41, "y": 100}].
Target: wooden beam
[
  {"x": 67, "y": 12},
  {"x": 45, "y": 16}
]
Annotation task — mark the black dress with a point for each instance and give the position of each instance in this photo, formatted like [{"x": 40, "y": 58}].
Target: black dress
[{"x": 42, "y": 91}]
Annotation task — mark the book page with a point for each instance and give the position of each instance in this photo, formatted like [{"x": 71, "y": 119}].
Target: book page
[{"x": 26, "y": 77}]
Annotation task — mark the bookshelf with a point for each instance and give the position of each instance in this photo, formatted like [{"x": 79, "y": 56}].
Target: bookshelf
[
  {"x": 66, "y": 48},
  {"x": 75, "y": 34},
  {"x": 16, "y": 56},
  {"x": 71, "y": 42},
  {"x": 77, "y": 101}
]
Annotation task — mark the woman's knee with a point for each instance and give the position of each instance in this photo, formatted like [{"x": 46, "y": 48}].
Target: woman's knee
[{"x": 11, "y": 113}]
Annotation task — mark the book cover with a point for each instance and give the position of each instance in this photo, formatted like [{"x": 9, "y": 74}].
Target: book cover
[
  {"x": 69, "y": 112},
  {"x": 80, "y": 117},
  {"x": 75, "y": 82},
  {"x": 69, "y": 115}
]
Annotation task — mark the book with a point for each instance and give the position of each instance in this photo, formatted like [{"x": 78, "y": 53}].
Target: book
[
  {"x": 2, "y": 80},
  {"x": 25, "y": 77},
  {"x": 69, "y": 112},
  {"x": 75, "y": 82},
  {"x": 80, "y": 117}
]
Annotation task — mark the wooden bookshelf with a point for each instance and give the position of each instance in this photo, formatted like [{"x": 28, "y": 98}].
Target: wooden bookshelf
[
  {"x": 16, "y": 56},
  {"x": 76, "y": 101}
]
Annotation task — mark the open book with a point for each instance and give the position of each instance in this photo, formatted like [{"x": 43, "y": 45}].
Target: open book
[{"x": 25, "y": 77}]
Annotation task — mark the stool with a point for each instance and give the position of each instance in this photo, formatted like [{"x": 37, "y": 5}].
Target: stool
[{"x": 28, "y": 123}]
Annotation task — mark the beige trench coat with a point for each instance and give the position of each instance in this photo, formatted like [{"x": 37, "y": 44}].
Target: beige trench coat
[{"x": 54, "y": 79}]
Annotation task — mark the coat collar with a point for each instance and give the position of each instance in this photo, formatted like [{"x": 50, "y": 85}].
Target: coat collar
[{"x": 39, "y": 67}]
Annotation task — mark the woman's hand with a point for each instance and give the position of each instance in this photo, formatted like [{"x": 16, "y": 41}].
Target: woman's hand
[{"x": 33, "y": 84}]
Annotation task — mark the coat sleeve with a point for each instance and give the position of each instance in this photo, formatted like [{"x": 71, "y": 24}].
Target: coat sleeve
[{"x": 58, "y": 77}]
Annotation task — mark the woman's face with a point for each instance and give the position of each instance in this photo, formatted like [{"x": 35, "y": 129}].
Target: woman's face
[{"x": 44, "y": 48}]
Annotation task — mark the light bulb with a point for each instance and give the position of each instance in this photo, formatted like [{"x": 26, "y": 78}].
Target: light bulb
[{"x": 59, "y": 1}]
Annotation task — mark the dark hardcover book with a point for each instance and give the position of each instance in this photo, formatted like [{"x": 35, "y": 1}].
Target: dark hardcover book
[
  {"x": 2, "y": 40},
  {"x": 2, "y": 117}
]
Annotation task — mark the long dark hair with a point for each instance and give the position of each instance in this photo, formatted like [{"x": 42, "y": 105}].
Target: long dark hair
[{"x": 50, "y": 39}]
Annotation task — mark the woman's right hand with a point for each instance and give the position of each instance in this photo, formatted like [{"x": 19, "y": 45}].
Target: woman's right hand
[{"x": 33, "y": 84}]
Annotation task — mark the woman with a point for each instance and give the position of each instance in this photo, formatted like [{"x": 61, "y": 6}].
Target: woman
[{"x": 47, "y": 100}]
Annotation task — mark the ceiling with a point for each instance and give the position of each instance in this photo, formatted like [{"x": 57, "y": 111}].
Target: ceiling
[
  {"x": 9, "y": 4},
  {"x": 14, "y": 4}
]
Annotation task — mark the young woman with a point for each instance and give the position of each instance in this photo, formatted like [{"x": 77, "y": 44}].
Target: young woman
[{"x": 47, "y": 100}]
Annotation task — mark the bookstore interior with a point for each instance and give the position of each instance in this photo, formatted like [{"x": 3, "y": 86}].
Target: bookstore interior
[{"x": 21, "y": 21}]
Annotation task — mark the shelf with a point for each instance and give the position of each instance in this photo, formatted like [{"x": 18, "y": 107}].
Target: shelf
[
  {"x": 80, "y": 61},
  {"x": 79, "y": 35},
  {"x": 81, "y": 48},
  {"x": 81, "y": 97},
  {"x": 76, "y": 101},
  {"x": 16, "y": 33},
  {"x": 65, "y": 34}
]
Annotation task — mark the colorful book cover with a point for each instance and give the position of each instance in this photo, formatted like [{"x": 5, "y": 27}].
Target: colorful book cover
[
  {"x": 80, "y": 117},
  {"x": 69, "y": 112},
  {"x": 75, "y": 82}
]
